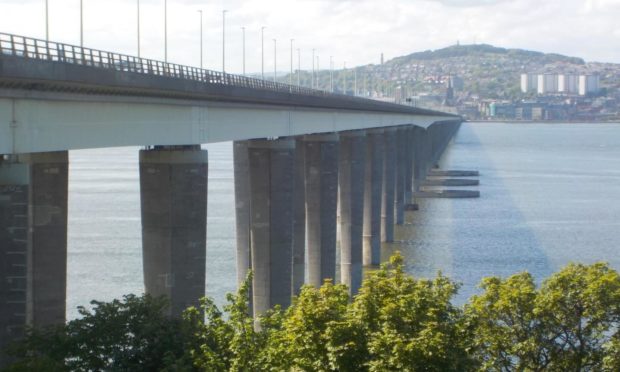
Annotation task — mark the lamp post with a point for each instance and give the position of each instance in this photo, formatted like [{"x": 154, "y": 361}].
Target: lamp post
[
  {"x": 298, "y": 67},
  {"x": 318, "y": 69},
  {"x": 262, "y": 52},
  {"x": 312, "y": 78},
  {"x": 331, "y": 74},
  {"x": 274, "y": 60},
  {"x": 201, "y": 66},
  {"x": 81, "y": 23},
  {"x": 243, "y": 44},
  {"x": 138, "y": 16},
  {"x": 224, "y": 40},
  {"x": 166, "y": 31},
  {"x": 47, "y": 23},
  {"x": 355, "y": 81},
  {"x": 290, "y": 75},
  {"x": 344, "y": 78}
]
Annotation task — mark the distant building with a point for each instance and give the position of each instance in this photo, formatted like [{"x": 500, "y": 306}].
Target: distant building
[
  {"x": 529, "y": 83},
  {"x": 588, "y": 84},
  {"x": 568, "y": 83},
  {"x": 547, "y": 83}
]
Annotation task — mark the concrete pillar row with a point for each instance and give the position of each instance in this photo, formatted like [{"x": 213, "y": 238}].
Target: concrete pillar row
[
  {"x": 321, "y": 188},
  {"x": 388, "y": 186},
  {"x": 373, "y": 186},
  {"x": 351, "y": 198},
  {"x": 272, "y": 191},
  {"x": 33, "y": 242},
  {"x": 173, "y": 196}
]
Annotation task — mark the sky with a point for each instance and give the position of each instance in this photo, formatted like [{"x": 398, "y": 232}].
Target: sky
[{"x": 354, "y": 32}]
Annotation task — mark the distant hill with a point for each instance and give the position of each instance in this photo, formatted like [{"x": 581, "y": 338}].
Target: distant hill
[{"x": 488, "y": 51}]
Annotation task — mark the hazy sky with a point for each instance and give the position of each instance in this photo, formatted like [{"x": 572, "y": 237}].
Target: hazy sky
[{"x": 353, "y": 31}]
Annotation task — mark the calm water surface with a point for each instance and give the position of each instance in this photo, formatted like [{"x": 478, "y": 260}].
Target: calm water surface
[{"x": 550, "y": 194}]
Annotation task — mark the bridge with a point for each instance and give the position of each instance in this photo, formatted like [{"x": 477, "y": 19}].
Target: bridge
[{"x": 301, "y": 156}]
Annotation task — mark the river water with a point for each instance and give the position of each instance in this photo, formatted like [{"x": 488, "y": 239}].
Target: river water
[{"x": 550, "y": 194}]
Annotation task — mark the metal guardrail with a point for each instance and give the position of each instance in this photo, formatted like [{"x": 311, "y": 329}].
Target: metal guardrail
[{"x": 30, "y": 48}]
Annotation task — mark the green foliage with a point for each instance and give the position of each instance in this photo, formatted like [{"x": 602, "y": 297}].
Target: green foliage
[
  {"x": 571, "y": 322},
  {"x": 132, "y": 334}
]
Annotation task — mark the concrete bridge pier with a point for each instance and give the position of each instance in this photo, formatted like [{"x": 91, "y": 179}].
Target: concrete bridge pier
[
  {"x": 388, "y": 186},
  {"x": 401, "y": 173},
  {"x": 409, "y": 149},
  {"x": 272, "y": 192},
  {"x": 33, "y": 242},
  {"x": 418, "y": 156},
  {"x": 241, "y": 165},
  {"x": 173, "y": 195},
  {"x": 299, "y": 218},
  {"x": 321, "y": 183},
  {"x": 351, "y": 186},
  {"x": 373, "y": 185}
]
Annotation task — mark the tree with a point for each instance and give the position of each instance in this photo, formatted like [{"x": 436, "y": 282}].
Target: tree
[
  {"x": 132, "y": 334},
  {"x": 570, "y": 324}
]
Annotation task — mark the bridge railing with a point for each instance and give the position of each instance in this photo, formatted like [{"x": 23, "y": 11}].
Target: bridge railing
[{"x": 31, "y": 48}]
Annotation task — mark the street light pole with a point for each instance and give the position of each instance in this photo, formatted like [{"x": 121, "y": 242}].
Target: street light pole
[
  {"x": 331, "y": 74},
  {"x": 262, "y": 52},
  {"x": 312, "y": 79},
  {"x": 290, "y": 75},
  {"x": 344, "y": 78},
  {"x": 82, "y": 23},
  {"x": 274, "y": 60},
  {"x": 166, "y": 31},
  {"x": 138, "y": 16},
  {"x": 355, "y": 81},
  {"x": 318, "y": 69},
  {"x": 243, "y": 43},
  {"x": 224, "y": 41},
  {"x": 201, "y": 65},
  {"x": 47, "y": 23},
  {"x": 298, "y": 66}
]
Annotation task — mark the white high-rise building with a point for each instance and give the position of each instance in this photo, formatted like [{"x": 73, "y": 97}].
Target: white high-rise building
[
  {"x": 529, "y": 82},
  {"x": 547, "y": 83},
  {"x": 588, "y": 84}
]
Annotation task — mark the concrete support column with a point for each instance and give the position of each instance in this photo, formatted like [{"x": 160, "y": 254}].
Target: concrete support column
[
  {"x": 299, "y": 219},
  {"x": 389, "y": 182},
  {"x": 409, "y": 145},
  {"x": 351, "y": 186},
  {"x": 401, "y": 174},
  {"x": 241, "y": 165},
  {"x": 321, "y": 173},
  {"x": 173, "y": 196},
  {"x": 271, "y": 222},
  {"x": 373, "y": 185},
  {"x": 417, "y": 157},
  {"x": 33, "y": 242}
]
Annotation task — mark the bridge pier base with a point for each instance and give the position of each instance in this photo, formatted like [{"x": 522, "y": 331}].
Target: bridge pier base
[
  {"x": 373, "y": 179},
  {"x": 173, "y": 196},
  {"x": 33, "y": 242},
  {"x": 389, "y": 183},
  {"x": 351, "y": 188},
  {"x": 272, "y": 191},
  {"x": 321, "y": 174}
]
